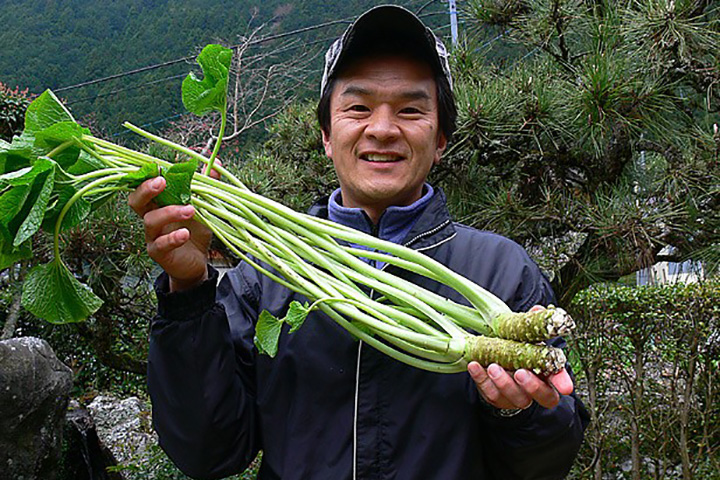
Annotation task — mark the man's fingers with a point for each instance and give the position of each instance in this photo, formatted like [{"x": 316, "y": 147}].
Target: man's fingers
[
  {"x": 157, "y": 220},
  {"x": 167, "y": 243},
  {"x": 213, "y": 173},
  {"x": 540, "y": 391},
  {"x": 562, "y": 382},
  {"x": 483, "y": 382},
  {"x": 140, "y": 200},
  {"x": 508, "y": 387}
]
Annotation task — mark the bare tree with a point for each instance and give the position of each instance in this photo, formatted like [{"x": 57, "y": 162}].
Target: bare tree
[{"x": 268, "y": 73}]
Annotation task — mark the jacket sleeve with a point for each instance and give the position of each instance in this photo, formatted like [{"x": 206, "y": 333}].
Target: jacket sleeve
[
  {"x": 537, "y": 443},
  {"x": 201, "y": 383}
]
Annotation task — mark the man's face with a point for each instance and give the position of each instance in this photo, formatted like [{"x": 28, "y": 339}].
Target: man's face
[{"x": 384, "y": 132}]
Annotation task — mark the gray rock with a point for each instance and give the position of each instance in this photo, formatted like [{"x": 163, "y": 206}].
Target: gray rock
[
  {"x": 123, "y": 426},
  {"x": 85, "y": 458},
  {"x": 34, "y": 394}
]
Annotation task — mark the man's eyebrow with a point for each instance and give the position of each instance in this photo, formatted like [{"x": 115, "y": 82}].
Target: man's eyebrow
[{"x": 352, "y": 90}]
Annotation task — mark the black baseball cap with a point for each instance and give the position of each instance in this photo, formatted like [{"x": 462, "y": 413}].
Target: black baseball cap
[{"x": 386, "y": 26}]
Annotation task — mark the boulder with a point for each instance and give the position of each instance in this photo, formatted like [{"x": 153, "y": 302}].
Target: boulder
[
  {"x": 85, "y": 458},
  {"x": 34, "y": 394},
  {"x": 124, "y": 428}
]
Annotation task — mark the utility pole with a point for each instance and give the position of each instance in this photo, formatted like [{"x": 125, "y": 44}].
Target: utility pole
[{"x": 453, "y": 21}]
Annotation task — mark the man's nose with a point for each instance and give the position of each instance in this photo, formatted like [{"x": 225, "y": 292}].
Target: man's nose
[{"x": 382, "y": 125}]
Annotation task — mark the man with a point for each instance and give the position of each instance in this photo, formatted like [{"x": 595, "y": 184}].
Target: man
[{"x": 327, "y": 406}]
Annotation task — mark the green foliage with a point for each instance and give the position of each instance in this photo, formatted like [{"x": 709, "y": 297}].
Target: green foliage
[
  {"x": 209, "y": 94},
  {"x": 649, "y": 371},
  {"x": 13, "y": 104},
  {"x": 43, "y": 194},
  {"x": 53, "y": 294},
  {"x": 268, "y": 328},
  {"x": 157, "y": 466}
]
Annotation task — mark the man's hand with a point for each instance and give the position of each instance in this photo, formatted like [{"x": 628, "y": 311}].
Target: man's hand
[
  {"x": 509, "y": 390},
  {"x": 175, "y": 241},
  {"x": 513, "y": 390}
]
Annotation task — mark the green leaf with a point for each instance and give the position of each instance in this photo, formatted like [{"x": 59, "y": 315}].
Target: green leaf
[
  {"x": 39, "y": 199},
  {"x": 267, "y": 333},
  {"x": 85, "y": 163},
  {"x": 27, "y": 175},
  {"x": 58, "y": 133},
  {"x": 296, "y": 315},
  {"x": 53, "y": 294},
  {"x": 177, "y": 187},
  {"x": 16, "y": 155},
  {"x": 44, "y": 112},
  {"x": 12, "y": 255},
  {"x": 77, "y": 212},
  {"x": 209, "y": 94},
  {"x": 25, "y": 202},
  {"x": 146, "y": 172},
  {"x": 11, "y": 202}
]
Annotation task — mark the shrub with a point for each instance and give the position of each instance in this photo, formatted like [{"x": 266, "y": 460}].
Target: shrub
[
  {"x": 648, "y": 365},
  {"x": 13, "y": 104}
]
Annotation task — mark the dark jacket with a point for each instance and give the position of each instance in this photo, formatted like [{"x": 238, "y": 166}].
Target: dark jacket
[{"x": 328, "y": 407}]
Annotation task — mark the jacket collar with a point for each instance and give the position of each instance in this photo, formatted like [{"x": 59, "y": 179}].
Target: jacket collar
[{"x": 433, "y": 227}]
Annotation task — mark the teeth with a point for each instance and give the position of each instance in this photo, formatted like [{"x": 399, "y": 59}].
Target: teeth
[{"x": 377, "y": 157}]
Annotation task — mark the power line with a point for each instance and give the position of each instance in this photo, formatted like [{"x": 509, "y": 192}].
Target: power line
[
  {"x": 427, "y": 4},
  {"x": 191, "y": 57},
  {"x": 134, "y": 87}
]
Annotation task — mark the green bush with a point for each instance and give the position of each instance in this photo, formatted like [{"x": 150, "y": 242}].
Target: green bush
[
  {"x": 13, "y": 104},
  {"x": 648, "y": 361}
]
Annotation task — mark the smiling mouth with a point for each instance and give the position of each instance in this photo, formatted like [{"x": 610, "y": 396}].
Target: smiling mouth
[{"x": 380, "y": 158}]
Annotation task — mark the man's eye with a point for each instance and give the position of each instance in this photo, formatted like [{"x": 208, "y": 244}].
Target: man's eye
[
  {"x": 410, "y": 111},
  {"x": 359, "y": 108}
]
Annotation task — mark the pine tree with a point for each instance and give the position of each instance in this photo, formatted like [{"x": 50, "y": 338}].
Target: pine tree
[{"x": 594, "y": 140}]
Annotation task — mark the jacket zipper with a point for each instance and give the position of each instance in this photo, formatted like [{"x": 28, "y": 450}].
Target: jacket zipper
[{"x": 374, "y": 231}]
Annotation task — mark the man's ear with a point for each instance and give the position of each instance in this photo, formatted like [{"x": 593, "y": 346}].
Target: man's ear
[
  {"x": 327, "y": 144},
  {"x": 441, "y": 146}
]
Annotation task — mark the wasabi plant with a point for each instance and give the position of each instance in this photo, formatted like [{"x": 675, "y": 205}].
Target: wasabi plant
[{"x": 56, "y": 173}]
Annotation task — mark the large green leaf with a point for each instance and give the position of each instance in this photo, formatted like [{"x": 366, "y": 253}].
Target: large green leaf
[
  {"x": 34, "y": 208},
  {"x": 58, "y": 133},
  {"x": 53, "y": 294},
  {"x": 26, "y": 175},
  {"x": 177, "y": 187},
  {"x": 25, "y": 197},
  {"x": 11, "y": 202},
  {"x": 16, "y": 155},
  {"x": 209, "y": 94},
  {"x": 44, "y": 112},
  {"x": 33, "y": 220},
  {"x": 267, "y": 333}
]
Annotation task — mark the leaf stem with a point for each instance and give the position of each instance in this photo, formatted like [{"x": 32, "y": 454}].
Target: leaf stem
[
  {"x": 90, "y": 186},
  {"x": 221, "y": 133}
]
